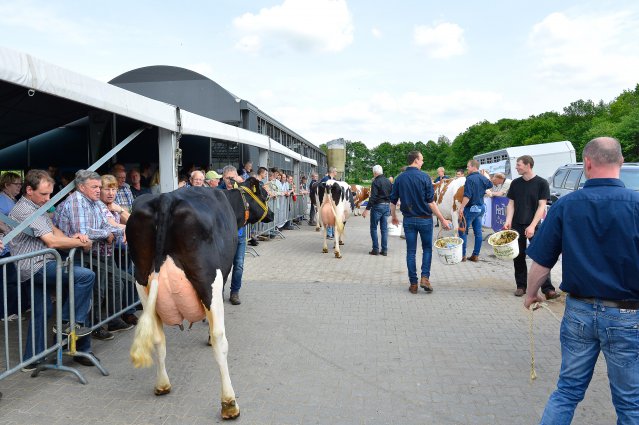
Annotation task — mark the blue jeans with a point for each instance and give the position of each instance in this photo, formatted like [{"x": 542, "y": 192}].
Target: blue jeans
[
  {"x": 587, "y": 329},
  {"x": 424, "y": 227},
  {"x": 83, "y": 290},
  {"x": 473, "y": 219},
  {"x": 330, "y": 231},
  {"x": 238, "y": 264},
  {"x": 379, "y": 215}
]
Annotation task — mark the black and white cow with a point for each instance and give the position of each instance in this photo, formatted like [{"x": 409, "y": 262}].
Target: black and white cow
[
  {"x": 183, "y": 244},
  {"x": 335, "y": 208}
]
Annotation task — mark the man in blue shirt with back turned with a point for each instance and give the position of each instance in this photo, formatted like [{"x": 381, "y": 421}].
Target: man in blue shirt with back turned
[
  {"x": 472, "y": 207},
  {"x": 596, "y": 230},
  {"x": 415, "y": 189}
]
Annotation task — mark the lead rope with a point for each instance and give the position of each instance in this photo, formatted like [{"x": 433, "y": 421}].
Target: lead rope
[{"x": 531, "y": 309}]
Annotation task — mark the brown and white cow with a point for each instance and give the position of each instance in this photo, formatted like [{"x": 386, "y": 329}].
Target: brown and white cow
[
  {"x": 334, "y": 210},
  {"x": 183, "y": 244},
  {"x": 449, "y": 194},
  {"x": 360, "y": 194}
]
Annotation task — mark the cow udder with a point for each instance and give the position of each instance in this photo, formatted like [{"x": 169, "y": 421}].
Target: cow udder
[
  {"x": 177, "y": 300},
  {"x": 328, "y": 216}
]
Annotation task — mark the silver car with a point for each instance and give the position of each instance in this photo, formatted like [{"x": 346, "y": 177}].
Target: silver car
[{"x": 570, "y": 177}]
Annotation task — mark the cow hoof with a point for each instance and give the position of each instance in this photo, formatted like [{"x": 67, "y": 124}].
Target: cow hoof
[
  {"x": 230, "y": 409},
  {"x": 338, "y": 255},
  {"x": 163, "y": 391},
  {"x": 325, "y": 250},
  {"x": 341, "y": 243},
  {"x": 317, "y": 229}
]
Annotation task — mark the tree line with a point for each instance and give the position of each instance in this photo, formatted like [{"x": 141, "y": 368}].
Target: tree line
[{"x": 579, "y": 123}]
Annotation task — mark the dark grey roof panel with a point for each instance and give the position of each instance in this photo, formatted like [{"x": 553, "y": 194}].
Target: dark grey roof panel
[{"x": 181, "y": 87}]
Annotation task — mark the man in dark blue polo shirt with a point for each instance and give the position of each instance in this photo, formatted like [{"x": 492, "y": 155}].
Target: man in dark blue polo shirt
[
  {"x": 415, "y": 189},
  {"x": 472, "y": 207},
  {"x": 596, "y": 230}
]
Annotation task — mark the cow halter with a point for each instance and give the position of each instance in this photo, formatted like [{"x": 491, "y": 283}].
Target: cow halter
[{"x": 256, "y": 199}]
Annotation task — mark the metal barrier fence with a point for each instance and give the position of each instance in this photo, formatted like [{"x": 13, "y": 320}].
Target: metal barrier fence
[
  {"x": 285, "y": 209},
  {"x": 113, "y": 293},
  {"x": 16, "y": 310}
]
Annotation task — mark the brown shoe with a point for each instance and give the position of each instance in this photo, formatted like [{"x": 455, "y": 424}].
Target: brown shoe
[
  {"x": 464, "y": 258},
  {"x": 473, "y": 258},
  {"x": 520, "y": 292},
  {"x": 413, "y": 288},
  {"x": 551, "y": 295},
  {"x": 235, "y": 298},
  {"x": 373, "y": 252},
  {"x": 425, "y": 284}
]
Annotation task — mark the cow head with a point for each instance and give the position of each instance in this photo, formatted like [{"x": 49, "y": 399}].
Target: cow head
[{"x": 255, "y": 198}]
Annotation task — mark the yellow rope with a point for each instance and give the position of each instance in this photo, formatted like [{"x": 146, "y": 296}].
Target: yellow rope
[{"x": 533, "y": 307}]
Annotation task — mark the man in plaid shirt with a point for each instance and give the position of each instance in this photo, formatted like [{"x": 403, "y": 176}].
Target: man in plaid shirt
[
  {"x": 124, "y": 196},
  {"x": 81, "y": 213}
]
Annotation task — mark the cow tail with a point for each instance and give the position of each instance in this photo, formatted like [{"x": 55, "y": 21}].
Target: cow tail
[
  {"x": 146, "y": 329},
  {"x": 162, "y": 219}
]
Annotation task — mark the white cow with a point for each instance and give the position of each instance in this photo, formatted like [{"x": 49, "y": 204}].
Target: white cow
[
  {"x": 449, "y": 194},
  {"x": 334, "y": 210}
]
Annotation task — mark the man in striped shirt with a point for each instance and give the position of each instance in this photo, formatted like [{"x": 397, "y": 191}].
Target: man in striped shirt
[
  {"x": 124, "y": 196},
  {"x": 81, "y": 213},
  {"x": 38, "y": 189}
]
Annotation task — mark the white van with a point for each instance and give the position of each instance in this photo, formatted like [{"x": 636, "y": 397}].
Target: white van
[{"x": 548, "y": 157}]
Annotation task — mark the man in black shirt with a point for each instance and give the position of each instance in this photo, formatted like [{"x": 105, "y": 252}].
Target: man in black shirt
[
  {"x": 527, "y": 196},
  {"x": 378, "y": 204}
]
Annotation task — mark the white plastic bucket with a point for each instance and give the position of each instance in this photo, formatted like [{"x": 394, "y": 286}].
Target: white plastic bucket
[
  {"x": 506, "y": 251},
  {"x": 394, "y": 230},
  {"x": 451, "y": 253}
]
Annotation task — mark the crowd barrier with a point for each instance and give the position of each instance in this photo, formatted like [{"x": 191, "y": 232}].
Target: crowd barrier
[
  {"x": 113, "y": 291},
  {"x": 285, "y": 210},
  {"x": 19, "y": 313}
]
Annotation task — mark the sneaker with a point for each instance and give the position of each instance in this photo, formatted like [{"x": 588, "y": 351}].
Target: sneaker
[
  {"x": 118, "y": 325},
  {"x": 84, "y": 361},
  {"x": 384, "y": 253},
  {"x": 79, "y": 330},
  {"x": 373, "y": 252},
  {"x": 31, "y": 367},
  {"x": 130, "y": 318},
  {"x": 102, "y": 334}
]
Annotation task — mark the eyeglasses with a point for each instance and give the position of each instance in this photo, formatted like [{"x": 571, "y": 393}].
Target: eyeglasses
[{"x": 17, "y": 183}]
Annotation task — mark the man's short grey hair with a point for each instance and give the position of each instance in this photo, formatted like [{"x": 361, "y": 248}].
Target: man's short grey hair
[
  {"x": 197, "y": 171},
  {"x": 377, "y": 169},
  {"x": 332, "y": 169},
  {"x": 81, "y": 176},
  {"x": 604, "y": 151},
  {"x": 228, "y": 169}
]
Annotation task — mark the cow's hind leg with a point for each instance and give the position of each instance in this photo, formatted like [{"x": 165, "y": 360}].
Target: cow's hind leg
[
  {"x": 150, "y": 339},
  {"x": 338, "y": 236},
  {"x": 325, "y": 247},
  {"x": 215, "y": 316}
]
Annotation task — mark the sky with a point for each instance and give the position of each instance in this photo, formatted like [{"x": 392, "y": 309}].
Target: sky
[{"x": 364, "y": 70}]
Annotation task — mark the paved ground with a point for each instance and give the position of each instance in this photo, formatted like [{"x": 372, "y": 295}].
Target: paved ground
[{"x": 319, "y": 340}]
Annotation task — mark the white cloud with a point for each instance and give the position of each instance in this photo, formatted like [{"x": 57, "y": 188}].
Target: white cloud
[
  {"x": 323, "y": 25},
  {"x": 376, "y": 32},
  {"x": 587, "y": 50},
  {"x": 44, "y": 20},
  {"x": 384, "y": 116},
  {"x": 442, "y": 40}
]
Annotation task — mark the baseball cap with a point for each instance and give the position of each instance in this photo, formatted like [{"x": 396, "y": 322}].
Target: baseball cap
[{"x": 212, "y": 175}]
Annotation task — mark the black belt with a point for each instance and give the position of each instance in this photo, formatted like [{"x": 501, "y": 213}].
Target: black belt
[
  {"x": 627, "y": 305},
  {"x": 425, "y": 217}
]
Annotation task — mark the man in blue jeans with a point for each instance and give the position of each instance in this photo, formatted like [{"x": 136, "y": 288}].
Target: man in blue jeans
[
  {"x": 230, "y": 179},
  {"x": 600, "y": 262},
  {"x": 378, "y": 205},
  {"x": 38, "y": 188},
  {"x": 472, "y": 208},
  {"x": 415, "y": 190}
]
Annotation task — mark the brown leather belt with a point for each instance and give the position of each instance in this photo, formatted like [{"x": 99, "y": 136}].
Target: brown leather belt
[{"x": 627, "y": 305}]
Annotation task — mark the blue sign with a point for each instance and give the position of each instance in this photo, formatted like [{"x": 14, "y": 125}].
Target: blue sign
[{"x": 499, "y": 213}]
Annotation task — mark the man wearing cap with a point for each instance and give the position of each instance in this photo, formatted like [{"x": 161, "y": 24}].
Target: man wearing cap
[{"x": 212, "y": 178}]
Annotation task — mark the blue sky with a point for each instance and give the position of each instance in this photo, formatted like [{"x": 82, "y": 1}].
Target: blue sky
[{"x": 366, "y": 70}]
